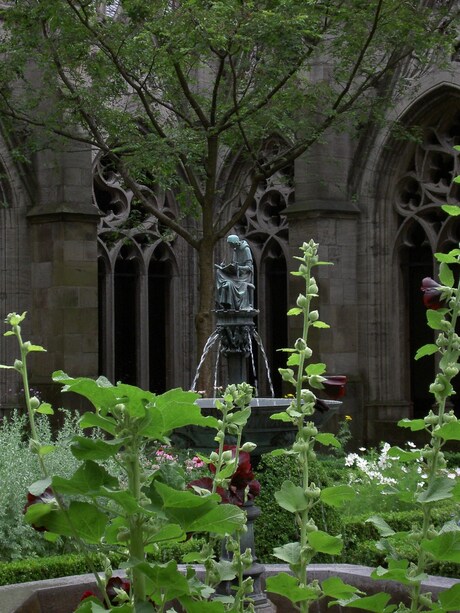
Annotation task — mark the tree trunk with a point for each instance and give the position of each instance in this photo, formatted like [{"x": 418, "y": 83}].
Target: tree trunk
[{"x": 204, "y": 319}]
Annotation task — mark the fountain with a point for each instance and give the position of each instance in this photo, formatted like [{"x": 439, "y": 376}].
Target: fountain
[{"x": 234, "y": 334}]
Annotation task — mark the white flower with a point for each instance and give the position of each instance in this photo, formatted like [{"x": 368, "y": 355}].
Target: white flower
[{"x": 410, "y": 444}]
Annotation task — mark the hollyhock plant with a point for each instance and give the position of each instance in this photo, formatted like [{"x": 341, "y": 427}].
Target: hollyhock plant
[
  {"x": 432, "y": 294},
  {"x": 242, "y": 485}
]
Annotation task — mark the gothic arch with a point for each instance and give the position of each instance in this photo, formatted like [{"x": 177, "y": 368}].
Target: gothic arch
[
  {"x": 138, "y": 285},
  {"x": 401, "y": 192}
]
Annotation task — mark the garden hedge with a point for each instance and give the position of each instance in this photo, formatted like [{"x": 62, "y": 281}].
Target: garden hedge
[{"x": 276, "y": 526}]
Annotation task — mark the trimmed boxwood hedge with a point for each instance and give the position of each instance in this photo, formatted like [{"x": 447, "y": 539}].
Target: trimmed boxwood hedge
[
  {"x": 38, "y": 569},
  {"x": 276, "y": 526},
  {"x": 360, "y": 538}
]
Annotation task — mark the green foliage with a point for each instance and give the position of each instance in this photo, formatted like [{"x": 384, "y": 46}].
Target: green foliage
[
  {"x": 276, "y": 527},
  {"x": 50, "y": 567},
  {"x": 18, "y": 469}
]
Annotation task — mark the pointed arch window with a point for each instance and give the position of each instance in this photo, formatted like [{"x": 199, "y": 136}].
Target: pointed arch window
[
  {"x": 425, "y": 184},
  {"x": 136, "y": 291}
]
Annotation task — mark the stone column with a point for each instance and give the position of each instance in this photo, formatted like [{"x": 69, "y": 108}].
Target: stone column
[
  {"x": 64, "y": 281},
  {"x": 324, "y": 212}
]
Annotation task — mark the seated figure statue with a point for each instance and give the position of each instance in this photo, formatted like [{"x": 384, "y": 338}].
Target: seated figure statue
[{"x": 234, "y": 281}]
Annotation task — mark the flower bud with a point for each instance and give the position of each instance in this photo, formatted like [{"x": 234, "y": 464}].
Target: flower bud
[
  {"x": 301, "y": 301},
  {"x": 34, "y": 403},
  {"x": 248, "y": 447},
  {"x": 214, "y": 457},
  {"x": 287, "y": 374},
  {"x": 227, "y": 456},
  {"x": 313, "y": 316},
  {"x": 300, "y": 344}
]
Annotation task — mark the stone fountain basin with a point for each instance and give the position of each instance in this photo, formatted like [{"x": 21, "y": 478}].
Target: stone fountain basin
[
  {"x": 266, "y": 433},
  {"x": 63, "y": 595}
]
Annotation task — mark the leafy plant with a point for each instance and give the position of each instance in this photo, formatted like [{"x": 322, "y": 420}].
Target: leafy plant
[
  {"x": 276, "y": 527},
  {"x": 18, "y": 469},
  {"x": 301, "y": 495},
  {"x": 142, "y": 508}
]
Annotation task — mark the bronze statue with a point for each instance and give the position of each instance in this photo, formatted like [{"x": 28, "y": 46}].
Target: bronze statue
[{"x": 234, "y": 281}]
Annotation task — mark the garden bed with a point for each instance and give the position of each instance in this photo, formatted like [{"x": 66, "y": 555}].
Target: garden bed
[{"x": 63, "y": 595}]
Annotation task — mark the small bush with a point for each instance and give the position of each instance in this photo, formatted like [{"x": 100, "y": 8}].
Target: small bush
[
  {"x": 18, "y": 470},
  {"x": 276, "y": 526},
  {"x": 360, "y": 538}
]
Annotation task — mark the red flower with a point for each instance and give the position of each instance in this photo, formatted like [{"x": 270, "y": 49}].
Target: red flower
[
  {"x": 46, "y": 497},
  {"x": 114, "y": 584},
  {"x": 334, "y": 386},
  {"x": 242, "y": 478},
  {"x": 87, "y": 594},
  {"x": 432, "y": 294}
]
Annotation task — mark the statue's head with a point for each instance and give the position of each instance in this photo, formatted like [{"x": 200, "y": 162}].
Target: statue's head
[{"x": 233, "y": 239}]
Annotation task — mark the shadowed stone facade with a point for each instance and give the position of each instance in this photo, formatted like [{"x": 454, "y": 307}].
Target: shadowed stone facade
[{"x": 109, "y": 291}]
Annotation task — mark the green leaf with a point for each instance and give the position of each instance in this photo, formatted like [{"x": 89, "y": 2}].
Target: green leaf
[
  {"x": 199, "y": 513},
  {"x": 451, "y": 209},
  {"x": 91, "y": 449},
  {"x": 413, "y": 424},
  {"x": 45, "y": 449},
  {"x": 89, "y": 477},
  {"x": 294, "y": 311},
  {"x": 403, "y": 455},
  {"x": 315, "y": 369},
  {"x": 172, "y": 410},
  {"x": 434, "y": 319},
  {"x": 326, "y": 438},
  {"x": 240, "y": 418},
  {"x": 446, "y": 276},
  {"x": 287, "y": 586},
  {"x": 428, "y": 349},
  {"x": 201, "y": 606},
  {"x": 30, "y": 347},
  {"x": 81, "y": 518},
  {"x": 224, "y": 519},
  {"x": 325, "y": 543},
  {"x": 381, "y": 525},
  {"x": 293, "y": 359},
  {"x": 169, "y": 532},
  {"x": 292, "y": 497},
  {"x": 450, "y": 598},
  {"x": 45, "y": 409},
  {"x": 438, "y": 489},
  {"x": 38, "y": 487},
  {"x": 281, "y": 417},
  {"x": 290, "y": 553},
  {"x": 444, "y": 547},
  {"x": 320, "y": 324},
  {"x": 448, "y": 258},
  {"x": 334, "y": 587},
  {"x": 337, "y": 495},
  {"x": 168, "y": 582},
  {"x": 398, "y": 570},
  {"x": 95, "y": 420},
  {"x": 376, "y": 603},
  {"x": 449, "y": 432}
]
